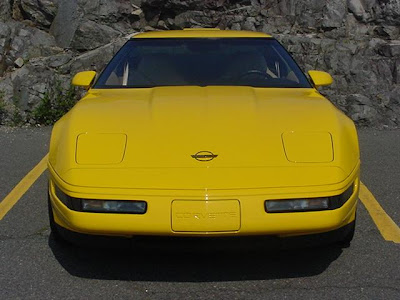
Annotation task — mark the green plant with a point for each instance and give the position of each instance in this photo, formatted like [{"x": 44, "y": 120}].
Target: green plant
[
  {"x": 56, "y": 102},
  {"x": 16, "y": 118}
]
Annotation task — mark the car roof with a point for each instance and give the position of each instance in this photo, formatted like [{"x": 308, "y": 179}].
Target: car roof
[{"x": 201, "y": 33}]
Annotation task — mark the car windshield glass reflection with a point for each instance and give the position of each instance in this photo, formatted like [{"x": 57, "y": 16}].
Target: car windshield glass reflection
[{"x": 257, "y": 62}]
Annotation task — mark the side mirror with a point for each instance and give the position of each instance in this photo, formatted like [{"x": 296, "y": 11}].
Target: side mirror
[
  {"x": 320, "y": 78},
  {"x": 84, "y": 79}
]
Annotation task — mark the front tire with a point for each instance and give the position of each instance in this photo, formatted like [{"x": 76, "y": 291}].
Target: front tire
[
  {"x": 53, "y": 226},
  {"x": 345, "y": 241}
]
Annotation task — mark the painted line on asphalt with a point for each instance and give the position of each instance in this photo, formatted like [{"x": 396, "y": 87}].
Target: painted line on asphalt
[
  {"x": 388, "y": 228},
  {"x": 22, "y": 187}
]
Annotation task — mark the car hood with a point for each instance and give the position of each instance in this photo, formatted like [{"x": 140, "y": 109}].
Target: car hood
[{"x": 148, "y": 137}]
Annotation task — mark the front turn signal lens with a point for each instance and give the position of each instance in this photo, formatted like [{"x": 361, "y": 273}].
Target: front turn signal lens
[
  {"x": 101, "y": 206},
  {"x": 309, "y": 204},
  {"x": 297, "y": 205},
  {"x": 114, "y": 206}
]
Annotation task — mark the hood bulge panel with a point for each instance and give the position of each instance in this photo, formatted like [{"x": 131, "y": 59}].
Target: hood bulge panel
[
  {"x": 166, "y": 126},
  {"x": 308, "y": 147}
]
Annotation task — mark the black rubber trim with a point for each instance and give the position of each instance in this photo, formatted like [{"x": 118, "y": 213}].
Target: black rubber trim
[
  {"x": 335, "y": 202},
  {"x": 266, "y": 242}
]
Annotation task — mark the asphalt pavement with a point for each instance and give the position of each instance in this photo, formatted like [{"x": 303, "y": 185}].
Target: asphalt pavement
[{"x": 33, "y": 265}]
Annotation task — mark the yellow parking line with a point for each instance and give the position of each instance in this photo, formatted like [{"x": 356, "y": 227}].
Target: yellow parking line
[
  {"x": 21, "y": 188},
  {"x": 388, "y": 228}
]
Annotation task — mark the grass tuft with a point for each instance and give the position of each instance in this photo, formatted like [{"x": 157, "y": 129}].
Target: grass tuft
[{"x": 55, "y": 103}]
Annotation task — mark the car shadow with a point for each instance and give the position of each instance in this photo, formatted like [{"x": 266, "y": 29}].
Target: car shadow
[{"x": 195, "y": 260}]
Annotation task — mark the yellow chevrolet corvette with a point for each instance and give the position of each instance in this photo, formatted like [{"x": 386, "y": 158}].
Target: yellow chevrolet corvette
[{"x": 203, "y": 133}]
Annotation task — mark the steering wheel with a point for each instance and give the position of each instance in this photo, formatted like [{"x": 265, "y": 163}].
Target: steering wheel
[{"x": 262, "y": 74}]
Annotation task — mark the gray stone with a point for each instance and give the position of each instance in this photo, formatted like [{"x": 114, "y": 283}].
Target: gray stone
[
  {"x": 363, "y": 113},
  {"x": 18, "y": 45},
  {"x": 387, "y": 31},
  {"x": 189, "y": 18},
  {"x": 19, "y": 62},
  {"x": 396, "y": 73},
  {"x": 161, "y": 24},
  {"x": 3, "y": 43},
  {"x": 92, "y": 60},
  {"x": 357, "y": 8},
  {"x": 236, "y": 26},
  {"x": 388, "y": 11},
  {"x": 59, "y": 60},
  {"x": 334, "y": 13},
  {"x": 91, "y": 35},
  {"x": 375, "y": 44},
  {"x": 395, "y": 48},
  {"x": 378, "y": 11},
  {"x": 41, "y": 12},
  {"x": 137, "y": 3},
  {"x": 347, "y": 46},
  {"x": 137, "y": 12},
  {"x": 5, "y": 30},
  {"x": 5, "y": 10},
  {"x": 66, "y": 22},
  {"x": 249, "y": 24},
  {"x": 238, "y": 18},
  {"x": 390, "y": 49},
  {"x": 359, "y": 99},
  {"x": 148, "y": 28},
  {"x": 42, "y": 39},
  {"x": 31, "y": 42},
  {"x": 24, "y": 32},
  {"x": 106, "y": 11},
  {"x": 395, "y": 96}
]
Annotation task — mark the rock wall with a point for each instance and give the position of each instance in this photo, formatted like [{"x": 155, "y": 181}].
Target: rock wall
[{"x": 357, "y": 41}]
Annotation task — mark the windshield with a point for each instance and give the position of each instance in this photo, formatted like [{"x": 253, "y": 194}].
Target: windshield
[{"x": 256, "y": 62}]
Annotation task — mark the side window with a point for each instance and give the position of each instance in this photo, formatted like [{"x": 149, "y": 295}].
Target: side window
[{"x": 277, "y": 66}]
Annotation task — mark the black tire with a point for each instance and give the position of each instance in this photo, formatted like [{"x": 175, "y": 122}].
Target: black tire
[
  {"x": 345, "y": 241},
  {"x": 53, "y": 226}
]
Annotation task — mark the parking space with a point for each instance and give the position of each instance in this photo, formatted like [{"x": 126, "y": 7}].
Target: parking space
[
  {"x": 20, "y": 151},
  {"x": 33, "y": 265}
]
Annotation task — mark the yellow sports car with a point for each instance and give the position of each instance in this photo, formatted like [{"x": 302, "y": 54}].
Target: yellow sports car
[{"x": 203, "y": 132}]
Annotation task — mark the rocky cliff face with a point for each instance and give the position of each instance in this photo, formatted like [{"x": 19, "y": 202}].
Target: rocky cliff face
[{"x": 358, "y": 41}]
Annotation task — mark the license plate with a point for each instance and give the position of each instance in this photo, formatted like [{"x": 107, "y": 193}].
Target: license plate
[{"x": 205, "y": 216}]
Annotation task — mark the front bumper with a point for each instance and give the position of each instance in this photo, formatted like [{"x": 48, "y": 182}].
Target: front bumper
[{"x": 157, "y": 221}]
